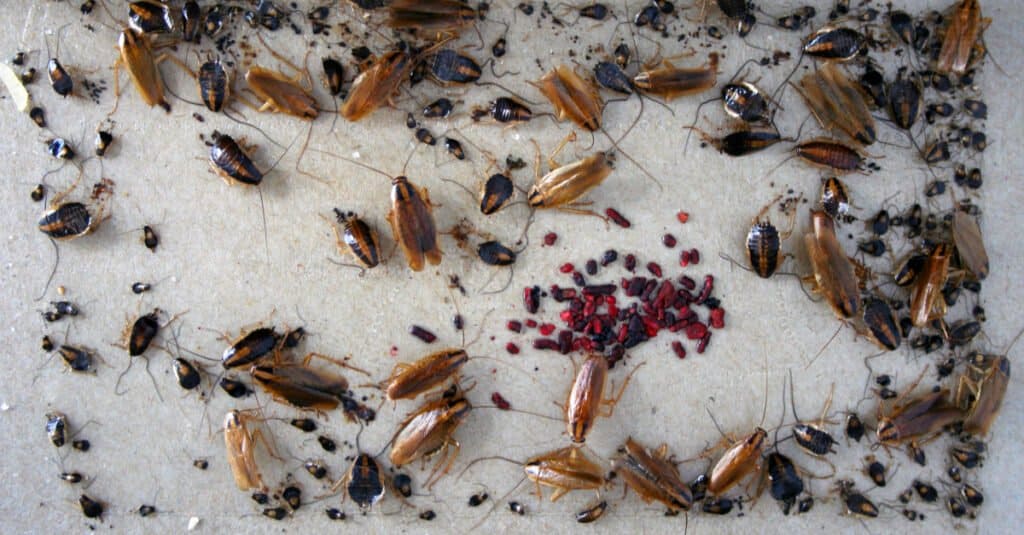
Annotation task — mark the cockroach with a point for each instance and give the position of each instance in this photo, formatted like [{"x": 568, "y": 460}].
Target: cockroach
[
  {"x": 229, "y": 160},
  {"x": 592, "y": 513},
  {"x": 150, "y": 238},
  {"x": 856, "y": 504},
  {"x": 797, "y": 20},
  {"x": 833, "y": 275},
  {"x": 573, "y": 97},
  {"x": 306, "y": 425},
  {"x": 293, "y": 338},
  {"x": 969, "y": 455},
  {"x": 38, "y": 116},
  {"x": 504, "y": 110},
  {"x": 670, "y": 82},
  {"x": 447, "y": 66},
  {"x": 970, "y": 246},
  {"x": 972, "y": 495},
  {"x": 517, "y": 508},
  {"x": 76, "y": 358},
  {"x": 203, "y": 464},
  {"x": 424, "y": 136},
  {"x": 146, "y": 510},
  {"x": 59, "y": 148},
  {"x": 140, "y": 287},
  {"x": 594, "y": 11},
  {"x": 976, "y": 108},
  {"x": 745, "y": 102},
  {"x": 240, "y": 440},
  {"x": 478, "y": 499},
  {"x": 902, "y": 24},
  {"x": 428, "y": 431},
  {"x": 922, "y": 416},
  {"x": 142, "y": 332},
  {"x": 961, "y": 38},
  {"x": 497, "y": 191},
  {"x": 881, "y": 323},
  {"x": 831, "y": 154},
  {"x": 786, "y": 483},
  {"x": 739, "y": 12},
  {"x": 741, "y": 459},
  {"x": 611, "y": 76},
  {"x": 60, "y": 80},
  {"x": 334, "y": 75},
  {"x": 493, "y": 253},
  {"x": 875, "y": 470},
  {"x": 854, "y": 427},
  {"x": 935, "y": 152},
  {"x": 649, "y": 16},
  {"x": 810, "y": 436},
  {"x": 303, "y": 387},
  {"x": 315, "y": 468},
  {"x": 835, "y": 197},
  {"x": 925, "y": 491},
  {"x": 276, "y": 513},
  {"x": 834, "y": 44},
  {"x": 251, "y": 347},
  {"x": 376, "y": 84},
  {"x": 292, "y": 495},
  {"x": 499, "y": 48},
  {"x": 563, "y": 185},
  {"x": 904, "y": 101},
  {"x": 47, "y": 344},
  {"x": 962, "y": 332},
  {"x": 981, "y": 389},
  {"x": 909, "y": 269},
  {"x": 82, "y": 445},
  {"x": 718, "y": 506},
  {"x": 586, "y": 397},
  {"x": 742, "y": 142},
  {"x": 879, "y": 224},
  {"x": 434, "y": 16},
  {"x": 214, "y": 85},
  {"x": 234, "y": 389},
  {"x": 565, "y": 470},
  {"x": 412, "y": 223},
  {"x": 357, "y": 238},
  {"x": 408, "y": 381},
  {"x": 147, "y": 16},
  {"x": 57, "y": 428},
  {"x": 838, "y": 104},
  {"x": 440, "y": 108},
  {"x": 281, "y": 94},
  {"x": 136, "y": 57},
  {"x": 260, "y": 497},
  {"x": 926, "y": 300},
  {"x": 428, "y": 515},
  {"x": 190, "y": 21},
  {"x": 103, "y": 140},
  {"x": 402, "y": 484},
  {"x": 454, "y": 147},
  {"x": 763, "y": 242},
  {"x": 90, "y": 507},
  {"x": 652, "y": 476},
  {"x": 187, "y": 374},
  {"x": 363, "y": 482}
]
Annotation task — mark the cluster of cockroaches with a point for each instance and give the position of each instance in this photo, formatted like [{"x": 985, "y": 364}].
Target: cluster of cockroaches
[{"x": 954, "y": 248}]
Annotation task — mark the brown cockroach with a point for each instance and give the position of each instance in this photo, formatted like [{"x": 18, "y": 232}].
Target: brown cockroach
[
  {"x": 573, "y": 96},
  {"x": 670, "y": 82},
  {"x": 429, "y": 430},
  {"x": 586, "y": 398},
  {"x": 240, "y": 441},
  {"x": 279, "y": 93},
  {"x": 922, "y": 416},
  {"x": 357, "y": 238},
  {"x": 135, "y": 54},
  {"x": 830, "y": 154},
  {"x": 377, "y": 83},
  {"x": 970, "y": 246},
  {"x": 434, "y": 16},
  {"x": 834, "y": 275},
  {"x": 652, "y": 475},
  {"x": 303, "y": 387},
  {"x": 926, "y": 299},
  {"x": 741, "y": 459},
  {"x": 981, "y": 389},
  {"x": 410, "y": 380},
  {"x": 412, "y": 223},
  {"x": 563, "y": 185},
  {"x": 837, "y": 103},
  {"x": 565, "y": 470},
  {"x": 962, "y": 33}
]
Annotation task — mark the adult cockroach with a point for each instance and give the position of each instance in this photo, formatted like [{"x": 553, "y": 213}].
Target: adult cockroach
[
  {"x": 306, "y": 388},
  {"x": 240, "y": 441},
  {"x": 428, "y": 431},
  {"x": 563, "y": 185},
  {"x": 961, "y": 38},
  {"x": 982, "y": 387},
  {"x": 357, "y": 239},
  {"x": 573, "y": 96},
  {"x": 434, "y": 16},
  {"x": 919, "y": 417},
  {"x": 926, "y": 299},
  {"x": 148, "y": 16},
  {"x": 670, "y": 82},
  {"x": 970, "y": 246},
  {"x": 837, "y": 103},
  {"x": 743, "y": 456},
  {"x": 586, "y": 397},
  {"x": 881, "y": 324},
  {"x": 136, "y": 56},
  {"x": 377, "y": 83},
  {"x": 833, "y": 275},
  {"x": 410, "y": 380},
  {"x": 280, "y": 93},
  {"x": 565, "y": 470},
  {"x": 652, "y": 476}
]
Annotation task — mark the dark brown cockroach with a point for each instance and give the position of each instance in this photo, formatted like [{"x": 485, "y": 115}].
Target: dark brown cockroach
[
  {"x": 592, "y": 513},
  {"x": 875, "y": 470},
  {"x": 786, "y": 483},
  {"x": 830, "y": 154},
  {"x": 835, "y": 197},
  {"x": 981, "y": 389},
  {"x": 565, "y": 470},
  {"x": 412, "y": 223},
  {"x": 909, "y": 269},
  {"x": 276, "y": 513},
  {"x": 669, "y": 81},
  {"x": 496, "y": 192},
  {"x": 976, "y": 108},
  {"x": 60, "y": 80},
  {"x": 424, "y": 136},
  {"x": 563, "y": 185},
  {"x": 904, "y": 101},
  {"x": 961, "y": 38},
  {"x": 187, "y": 374},
  {"x": 763, "y": 242},
  {"x": 447, "y": 66},
  {"x": 972, "y": 495},
  {"x": 742, "y": 142},
  {"x": 214, "y": 85},
  {"x": 926, "y": 299},
  {"x": 611, "y": 76},
  {"x": 408, "y": 381},
  {"x": 377, "y": 83},
  {"x": 433, "y": 16},
  {"x": 357, "y": 238},
  {"x": 573, "y": 97},
  {"x": 71, "y": 220},
  {"x": 504, "y": 110},
  {"x": 935, "y": 152},
  {"x": 190, "y": 23},
  {"x": 251, "y": 347},
  {"x": 90, "y": 508},
  {"x": 741, "y": 459},
  {"x": 493, "y": 253},
  {"x": 306, "y": 425},
  {"x": 969, "y": 455},
  {"x": 834, "y": 44},
  {"x": 430, "y": 430},
  {"x": 235, "y": 389},
  {"x": 334, "y": 75},
  {"x": 301, "y": 386},
  {"x": 745, "y": 102},
  {"x": 102, "y": 142},
  {"x": 240, "y": 441},
  {"x": 292, "y": 495},
  {"x": 838, "y": 104},
  {"x": 855, "y": 503},
  {"x": 38, "y": 116},
  {"x": 881, "y": 324},
  {"x": 652, "y": 476},
  {"x": 902, "y": 24},
  {"x": 363, "y": 482},
  {"x": 148, "y": 16},
  {"x": 229, "y": 160},
  {"x": 142, "y": 332},
  {"x": 834, "y": 275},
  {"x": 810, "y": 436},
  {"x": 150, "y": 238},
  {"x": 922, "y": 416},
  {"x": 440, "y": 108},
  {"x": 586, "y": 397},
  {"x": 970, "y": 246},
  {"x": 925, "y": 491},
  {"x": 76, "y": 358},
  {"x": 57, "y": 428},
  {"x": 454, "y": 147}
]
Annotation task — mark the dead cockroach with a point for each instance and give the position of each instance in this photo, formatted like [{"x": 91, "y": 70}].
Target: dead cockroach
[
  {"x": 741, "y": 459},
  {"x": 493, "y": 253},
  {"x": 835, "y": 197},
  {"x": 563, "y": 185},
  {"x": 742, "y": 142},
  {"x": 611, "y": 76},
  {"x": 104, "y": 138},
  {"x": 190, "y": 22},
  {"x": 586, "y": 398},
  {"x": 904, "y": 101},
  {"x": 834, "y": 44},
  {"x": 70, "y": 220},
  {"x": 652, "y": 476},
  {"x": 408, "y": 381},
  {"x": 187, "y": 374},
  {"x": 281, "y": 94},
  {"x": 148, "y": 16},
  {"x": 90, "y": 507},
  {"x": 670, "y": 82},
  {"x": 334, "y": 75},
  {"x": 77, "y": 359},
  {"x": 233, "y": 388},
  {"x": 838, "y": 104},
  {"x": 969, "y": 455},
  {"x": 786, "y": 483},
  {"x": 363, "y": 482},
  {"x": 376, "y": 84},
  {"x": 909, "y": 269},
  {"x": 834, "y": 275},
  {"x": 981, "y": 389},
  {"x": 214, "y": 85},
  {"x": 740, "y": 13},
  {"x": 504, "y": 110},
  {"x": 57, "y": 428},
  {"x": 440, "y": 108},
  {"x": 136, "y": 56},
  {"x": 970, "y": 246},
  {"x": 592, "y": 513},
  {"x": 38, "y": 116},
  {"x": 60, "y": 148},
  {"x": 926, "y": 299},
  {"x": 763, "y": 242},
  {"x": 434, "y": 16},
  {"x": 855, "y": 503},
  {"x": 447, "y": 66},
  {"x": 573, "y": 96},
  {"x": 830, "y": 154},
  {"x": 412, "y": 223},
  {"x": 60, "y": 80},
  {"x": 240, "y": 441},
  {"x": 251, "y": 347},
  {"x": 875, "y": 470},
  {"x": 976, "y": 108},
  {"x": 919, "y": 417},
  {"x": 881, "y": 324},
  {"x": 961, "y": 38},
  {"x": 810, "y": 436},
  {"x": 565, "y": 470},
  {"x": 428, "y": 431},
  {"x": 305, "y": 388},
  {"x": 745, "y": 102},
  {"x": 356, "y": 238}
]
